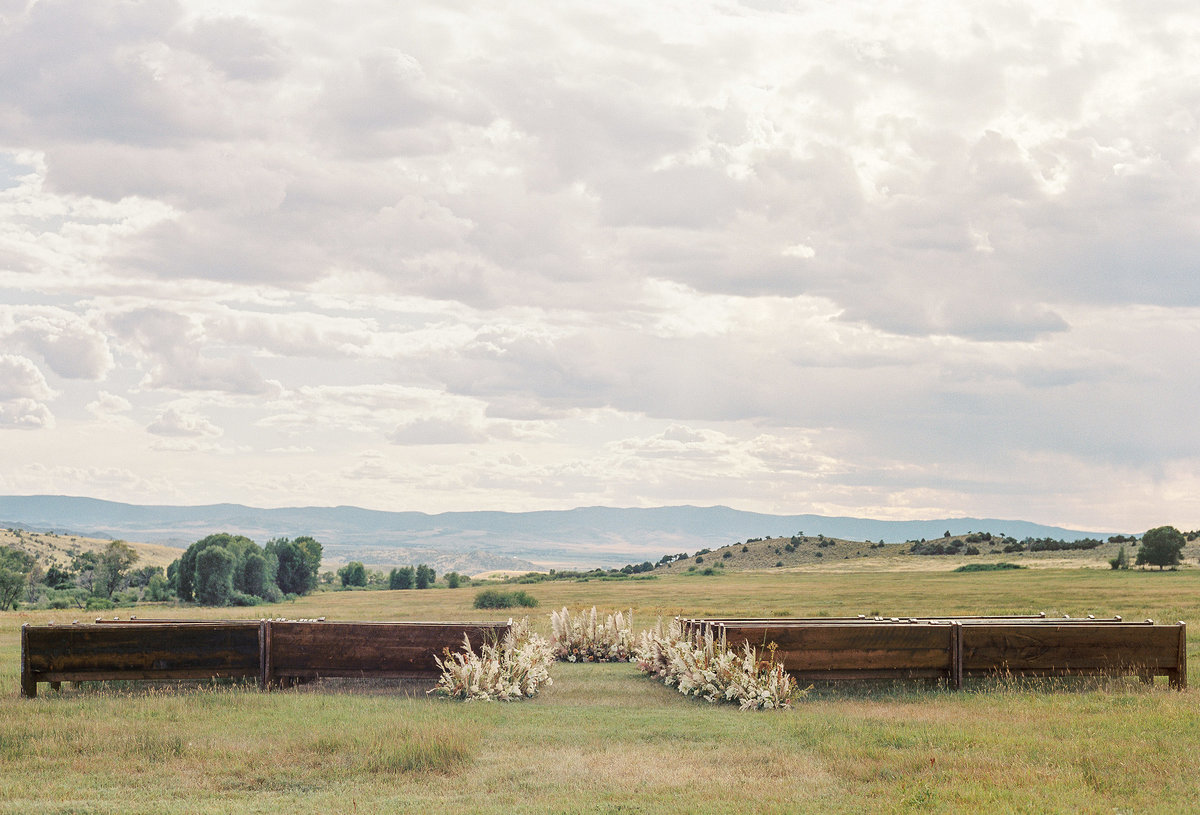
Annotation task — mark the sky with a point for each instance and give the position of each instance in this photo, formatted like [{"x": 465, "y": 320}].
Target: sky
[{"x": 895, "y": 260}]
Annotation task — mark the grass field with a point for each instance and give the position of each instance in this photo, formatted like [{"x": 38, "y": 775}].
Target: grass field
[{"x": 605, "y": 739}]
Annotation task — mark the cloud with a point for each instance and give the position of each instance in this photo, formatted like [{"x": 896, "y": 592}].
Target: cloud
[
  {"x": 171, "y": 345},
  {"x": 27, "y": 414},
  {"x": 177, "y": 422},
  {"x": 92, "y": 70},
  {"x": 436, "y": 430},
  {"x": 20, "y": 378},
  {"x": 69, "y": 344},
  {"x": 109, "y": 404},
  {"x": 237, "y": 46},
  {"x": 23, "y": 394}
]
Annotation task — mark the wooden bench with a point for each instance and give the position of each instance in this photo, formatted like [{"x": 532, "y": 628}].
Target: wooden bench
[
  {"x": 693, "y": 627},
  {"x": 953, "y": 648},
  {"x": 1077, "y": 649},
  {"x": 79, "y": 653},
  {"x": 852, "y": 650},
  {"x": 309, "y": 650},
  {"x": 273, "y": 651}
]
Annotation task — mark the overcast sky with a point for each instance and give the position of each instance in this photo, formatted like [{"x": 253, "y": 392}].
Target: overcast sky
[{"x": 899, "y": 260}]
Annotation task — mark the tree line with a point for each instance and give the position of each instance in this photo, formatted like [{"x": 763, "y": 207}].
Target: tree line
[
  {"x": 224, "y": 569},
  {"x": 217, "y": 570}
]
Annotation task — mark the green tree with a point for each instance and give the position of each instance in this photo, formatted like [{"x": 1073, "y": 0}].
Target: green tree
[
  {"x": 1161, "y": 546},
  {"x": 252, "y": 576},
  {"x": 157, "y": 589},
  {"x": 425, "y": 576},
  {"x": 141, "y": 577},
  {"x": 454, "y": 580},
  {"x": 298, "y": 564},
  {"x": 402, "y": 578},
  {"x": 353, "y": 574},
  {"x": 214, "y": 576},
  {"x": 312, "y": 551},
  {"x": 84, "y": 565},
  {"x": 113, "y": 563},
  {"x": 238, "y": 546},
  {"x": 57, "y": 578},
  {"x": 15, "y": 568}
]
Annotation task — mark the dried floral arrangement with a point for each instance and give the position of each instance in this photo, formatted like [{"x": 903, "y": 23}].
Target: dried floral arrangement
[
  {"x": 707, "y": 668},
  {"x": 585, "y": 637},
  {"x": 514, "y": 668}
]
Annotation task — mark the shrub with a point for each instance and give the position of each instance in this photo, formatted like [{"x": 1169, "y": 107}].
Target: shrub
[
  {"x": 988, "y": 567},
  {"x": 708, "y": 669},
  {"x": 1121, "y": 561},
  {"x": 514, "y": 668},
  {"x": 495, "y": 598},
  {"x": 585, "y": 638}
]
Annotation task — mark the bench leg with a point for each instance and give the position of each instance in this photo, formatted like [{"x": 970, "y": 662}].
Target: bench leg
[{"x": 28, "y": 683}]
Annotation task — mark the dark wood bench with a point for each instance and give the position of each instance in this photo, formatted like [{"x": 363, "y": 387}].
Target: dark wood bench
[
  {"x": 693, "y": 626},
  {"x": 309, "y": 650},
  {"x": 80, "y": 653},
  {"x": 953, "y": 648},
  {"x": 1077, "y": 649},
  {"x": 273, "y": 651},
  {"x": 852, "y": 650}
]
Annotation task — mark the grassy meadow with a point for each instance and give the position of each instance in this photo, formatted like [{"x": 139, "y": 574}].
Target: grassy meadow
[{"x": 605, "y": 739}]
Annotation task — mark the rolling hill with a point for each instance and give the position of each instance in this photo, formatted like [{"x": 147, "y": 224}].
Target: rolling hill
[{"x": 586, "y": 536}]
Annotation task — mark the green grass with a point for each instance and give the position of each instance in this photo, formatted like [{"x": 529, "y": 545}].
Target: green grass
[{"x": 605, "y": 739}]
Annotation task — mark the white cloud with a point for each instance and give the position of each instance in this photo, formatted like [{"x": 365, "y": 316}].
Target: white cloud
[
  {"x": 437, "y": 430},
  {"x": 20, "y": 377},
  {"x": 69, "y": 344},
  {"x": 108, "y": 405},
  {"x": 175, "y": 421},
  {"x": 27, "y": 414}
]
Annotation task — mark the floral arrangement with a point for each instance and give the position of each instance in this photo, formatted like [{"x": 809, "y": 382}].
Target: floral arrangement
[
  {"x": 707, "y": 668},
  {"x": 514, "y": 668},
  {"x": 587, "y": 638}
]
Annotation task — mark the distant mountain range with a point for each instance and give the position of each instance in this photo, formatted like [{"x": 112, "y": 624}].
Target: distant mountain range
[{"x": 583, "y": 537}]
